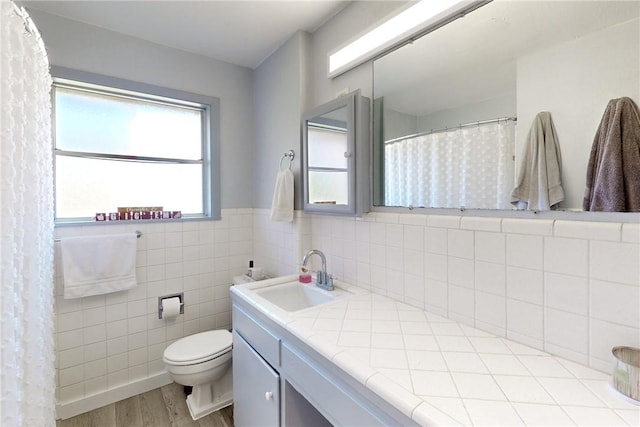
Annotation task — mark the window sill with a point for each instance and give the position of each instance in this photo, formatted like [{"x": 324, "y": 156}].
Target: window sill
[{"x": 90, "y": 222}]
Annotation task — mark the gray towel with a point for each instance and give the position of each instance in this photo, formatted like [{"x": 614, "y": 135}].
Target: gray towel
[
  {"x": 539, "y": 186},
  {"x": 613, "y": 172}
]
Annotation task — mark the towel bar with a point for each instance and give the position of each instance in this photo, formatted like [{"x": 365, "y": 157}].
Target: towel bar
[{"x": 138, "y": 234}]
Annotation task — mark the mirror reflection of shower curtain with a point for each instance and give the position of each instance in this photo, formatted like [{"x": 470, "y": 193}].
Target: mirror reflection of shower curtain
[{"x": 470, "y": 167}]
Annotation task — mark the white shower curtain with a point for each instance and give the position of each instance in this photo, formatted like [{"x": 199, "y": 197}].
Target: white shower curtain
[
  {"x": 466, "y": 167},
  {"x": 26, "y": 217}
]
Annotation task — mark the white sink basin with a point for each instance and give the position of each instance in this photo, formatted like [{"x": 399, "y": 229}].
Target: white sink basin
[{"x": 294, "y": 296}]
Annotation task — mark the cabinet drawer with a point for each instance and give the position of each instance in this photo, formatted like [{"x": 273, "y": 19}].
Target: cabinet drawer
[{"x": 265, "y": 343}]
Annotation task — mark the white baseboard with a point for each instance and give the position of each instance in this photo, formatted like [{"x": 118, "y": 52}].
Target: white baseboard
[{"x": 89, "y": 403}]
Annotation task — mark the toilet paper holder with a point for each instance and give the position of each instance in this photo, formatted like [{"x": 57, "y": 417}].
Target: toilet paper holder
[{"x": 178, "y": 295}]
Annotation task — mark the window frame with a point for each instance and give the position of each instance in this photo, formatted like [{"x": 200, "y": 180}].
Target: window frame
[{"x": 75, "y": 79}]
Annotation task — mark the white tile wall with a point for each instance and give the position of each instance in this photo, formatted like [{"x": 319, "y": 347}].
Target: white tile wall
[
  {"x": 567, "y": 293},
  {"x": 490, "y": 277},
  {"x": 107, "y": 341},
  {"x": 566, "y": 256},
  {"x": 278, "y": 246},
  {"x": 568, "y": 334},
  {"x": 568, "y": 287},
  {"x": 491, "y": 312}
]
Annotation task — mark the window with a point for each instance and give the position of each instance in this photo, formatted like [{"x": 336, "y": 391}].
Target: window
[{"x": 120, "y": 143}]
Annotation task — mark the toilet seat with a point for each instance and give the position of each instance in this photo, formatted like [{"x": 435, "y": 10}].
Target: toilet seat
[{"x": 198, "y": 348}]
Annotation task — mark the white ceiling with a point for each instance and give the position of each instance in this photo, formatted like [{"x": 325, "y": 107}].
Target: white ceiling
[{"x": 239, "y": 32}]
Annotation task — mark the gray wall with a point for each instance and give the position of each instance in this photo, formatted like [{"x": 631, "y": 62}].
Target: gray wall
[
  {"x": 279, "y": 94},
  {"x": 294, "y": 79},
  {"x": 75, "y": 45}
]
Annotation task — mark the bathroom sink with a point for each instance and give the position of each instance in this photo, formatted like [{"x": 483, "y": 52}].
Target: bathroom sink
[
  {"x": 294, "y": 296},
  {"x": 289, "y": 295}
]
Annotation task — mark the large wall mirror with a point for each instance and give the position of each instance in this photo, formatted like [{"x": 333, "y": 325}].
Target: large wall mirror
[
  {"x": 335, "y": 156},
  {"x": 452, "y": 109}
]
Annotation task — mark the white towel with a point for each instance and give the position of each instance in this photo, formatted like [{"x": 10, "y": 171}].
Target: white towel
[
  {"x": 282, "y": 203},
  {"x": 96, "y": 265}
]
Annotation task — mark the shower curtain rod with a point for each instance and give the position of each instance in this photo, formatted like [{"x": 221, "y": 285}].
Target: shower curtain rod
[{"x": 465, "y": 125}]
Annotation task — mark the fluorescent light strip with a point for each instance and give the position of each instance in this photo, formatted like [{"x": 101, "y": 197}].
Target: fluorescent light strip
[{"x": 387, "y": 33}]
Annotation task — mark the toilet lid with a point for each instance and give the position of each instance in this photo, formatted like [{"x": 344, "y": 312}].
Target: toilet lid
[{"x": 198, "y": 348}]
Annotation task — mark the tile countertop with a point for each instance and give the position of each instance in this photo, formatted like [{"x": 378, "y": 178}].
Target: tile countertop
[{"x": 437, "y": 371}]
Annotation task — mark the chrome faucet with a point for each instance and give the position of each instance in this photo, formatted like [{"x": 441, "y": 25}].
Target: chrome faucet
[{"x": 323, "y": 280}]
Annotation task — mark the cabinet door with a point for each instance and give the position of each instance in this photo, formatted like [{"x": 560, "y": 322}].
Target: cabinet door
[
  {"x": 335, "y": 156},
  {"x": 256, "y": 391}
]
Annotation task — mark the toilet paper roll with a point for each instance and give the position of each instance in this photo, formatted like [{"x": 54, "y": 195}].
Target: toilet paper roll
[{"x": 170, "y": 307}]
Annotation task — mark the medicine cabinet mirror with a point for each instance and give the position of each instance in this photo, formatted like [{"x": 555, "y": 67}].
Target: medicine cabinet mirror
[
  {"x": 335, "y": 156},
  {"x": 469, "y": 91}
]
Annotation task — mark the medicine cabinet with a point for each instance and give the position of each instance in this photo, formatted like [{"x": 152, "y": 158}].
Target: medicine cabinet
[{"x": 335, "y": 156}]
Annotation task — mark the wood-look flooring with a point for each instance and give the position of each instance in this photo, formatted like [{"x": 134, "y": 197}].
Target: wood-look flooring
[{"x": 162, "y": 407}]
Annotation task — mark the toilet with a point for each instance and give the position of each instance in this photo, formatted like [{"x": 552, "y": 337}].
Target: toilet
[{"x": 203, "y": 361}]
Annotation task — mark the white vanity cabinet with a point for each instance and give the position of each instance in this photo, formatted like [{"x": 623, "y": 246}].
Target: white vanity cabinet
[{"x": 313, "y": 391}]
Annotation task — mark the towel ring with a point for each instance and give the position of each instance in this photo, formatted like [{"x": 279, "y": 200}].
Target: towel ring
[{"x": 290, "y": 155}]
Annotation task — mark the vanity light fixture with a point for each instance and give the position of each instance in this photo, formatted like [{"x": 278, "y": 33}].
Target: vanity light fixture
[{"x": 397, "y": 30}]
